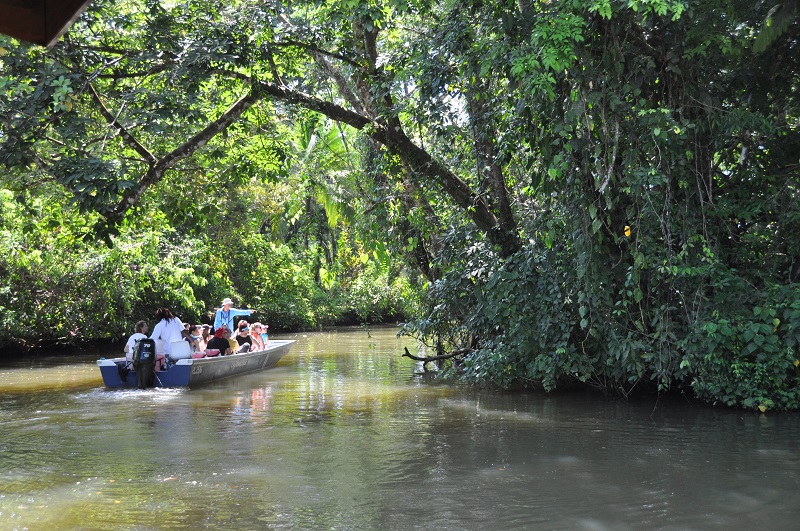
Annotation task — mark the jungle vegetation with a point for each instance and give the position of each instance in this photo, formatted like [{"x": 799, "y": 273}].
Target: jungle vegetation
[{"x": 592, "y": 192}]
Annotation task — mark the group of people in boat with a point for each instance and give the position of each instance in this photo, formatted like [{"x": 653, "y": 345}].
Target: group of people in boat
[{"x": 203, "y": 339}]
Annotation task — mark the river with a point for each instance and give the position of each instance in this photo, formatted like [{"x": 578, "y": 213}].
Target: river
[{"x": 344, "y": 434}]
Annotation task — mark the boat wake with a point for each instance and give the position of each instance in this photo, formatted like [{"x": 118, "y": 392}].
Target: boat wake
[{"x": 156, "y": 394}]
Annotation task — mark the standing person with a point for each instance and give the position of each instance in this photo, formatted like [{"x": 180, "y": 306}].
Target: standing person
[
  {"x": 141, "y": 333},
  {"x": 225, "y": 315},
  {"x": 167, "y": 330}
]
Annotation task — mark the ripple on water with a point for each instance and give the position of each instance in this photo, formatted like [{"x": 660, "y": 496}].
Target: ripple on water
[{"x": 343, "y": 436}]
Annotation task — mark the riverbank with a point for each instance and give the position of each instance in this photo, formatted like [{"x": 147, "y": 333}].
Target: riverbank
[
  {"x": 115, "y": 345},
  {"x": 53, "y": 348}
]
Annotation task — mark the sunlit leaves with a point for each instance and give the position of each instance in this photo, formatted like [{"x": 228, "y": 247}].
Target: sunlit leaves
[{"x": 62, "y": 94}]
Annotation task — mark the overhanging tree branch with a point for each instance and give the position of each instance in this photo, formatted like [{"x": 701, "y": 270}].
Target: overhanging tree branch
[
  {"x": 126, "y": 136},
  {"x": 427, "y": 359},
  {"x": 156, "y": 172},
  {"x": 315, "y": 50},
  {"x": 423, "y": 165}
]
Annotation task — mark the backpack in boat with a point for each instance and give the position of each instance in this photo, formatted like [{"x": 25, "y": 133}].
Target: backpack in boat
[{"x": 144, "y": 362}]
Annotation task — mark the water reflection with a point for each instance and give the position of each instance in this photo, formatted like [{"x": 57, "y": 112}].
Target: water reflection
[{"x": 342, "y": 434}]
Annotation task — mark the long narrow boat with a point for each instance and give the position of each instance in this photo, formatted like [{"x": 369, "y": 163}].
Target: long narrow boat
[{"x": 189, "y": 372}]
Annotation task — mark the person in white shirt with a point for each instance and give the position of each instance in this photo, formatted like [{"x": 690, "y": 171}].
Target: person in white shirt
[
  {"x": 141, "y": 333},
  {"x": 168, "y": 329}
]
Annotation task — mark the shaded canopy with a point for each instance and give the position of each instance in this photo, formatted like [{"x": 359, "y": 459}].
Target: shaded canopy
[{"x": 39, "y": 21}]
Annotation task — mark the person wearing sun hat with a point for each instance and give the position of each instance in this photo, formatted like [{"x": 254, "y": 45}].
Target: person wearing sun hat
[{"x": 224, "y": 316}]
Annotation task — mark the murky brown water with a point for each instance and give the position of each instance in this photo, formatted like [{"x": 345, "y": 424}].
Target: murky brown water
[{"x": 343, "y": 435}]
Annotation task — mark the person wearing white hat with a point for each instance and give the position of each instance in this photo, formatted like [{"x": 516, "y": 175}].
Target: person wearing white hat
[{"x": 224, "y": 316}]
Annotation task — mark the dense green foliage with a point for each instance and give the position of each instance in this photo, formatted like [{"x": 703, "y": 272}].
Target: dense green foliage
[
  {"x": 595, "y": 191},
  {"x": 60, "y": 286},
  {"x": 662, "y": 158}
]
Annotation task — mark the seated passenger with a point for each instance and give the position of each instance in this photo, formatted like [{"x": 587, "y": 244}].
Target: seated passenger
[
  {"x": 141, "y": 333},
  {"x": 191, "y": 337},
  {"x": 255, "y": 336},
  {"x": 219, "y": 342},
  {"x": 243, "y": 337},
  {"x": 234, "y": 345},
  {"x": 188, "y": 337},
  {"x": 265, "y": 335},
  {"x": 200, "y": 333}
]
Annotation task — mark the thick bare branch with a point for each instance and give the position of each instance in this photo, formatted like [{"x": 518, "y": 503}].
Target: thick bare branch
[
  {"x": 307, "y": 101},
  {"x": 156, "y": 172},
  {"x": 486, "y": 155},
  {"x": 422, "y": 164},
  {"x": 426, "y": 359},
  {"x": 341, "y": 83},
  {"x": 126, "y": 136},
  {"x": 315, "y": 50}
]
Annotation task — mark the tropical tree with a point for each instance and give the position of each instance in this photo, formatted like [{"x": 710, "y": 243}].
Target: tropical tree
[{"x": 599, "y": 191}]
